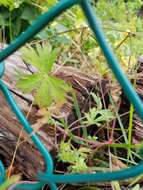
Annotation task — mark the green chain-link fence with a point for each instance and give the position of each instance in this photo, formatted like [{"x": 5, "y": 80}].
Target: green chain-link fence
[{"x": 48, "y": 177}]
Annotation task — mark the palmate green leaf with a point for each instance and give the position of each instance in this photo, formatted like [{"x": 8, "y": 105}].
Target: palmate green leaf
[
  {"x": 44, "y": 53},
  {"x": 59, "y": 83},
  {"x": 106, "y": 116},
  {"x": 90, "y": 116},
  {"x": 66, "y": 154},
  {"x": 42, "y": 57},
  {"x": 47, "y": 57},
  {"x": 79, "y": 166},
  {"x": 75, "y": 157},
  {"x": 29, "y": 82},
  {"x": 51, "y": 89},
  {"x": 48, "y": 89},
  {"x": 95, "y": 116},
  {"x": 97, "y": 100},
  {"x": 43, "y": 97},
  {"x": 30, "y": 56},
  {"x": 52, "y": 58},
  {"x": 43, "y": 50}
]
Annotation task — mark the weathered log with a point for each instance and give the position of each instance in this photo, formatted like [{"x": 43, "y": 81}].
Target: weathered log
[{"x": 28, "y": 159}]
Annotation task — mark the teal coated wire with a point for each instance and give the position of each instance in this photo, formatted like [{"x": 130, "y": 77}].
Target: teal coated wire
[
  {"x": 25, "y": 185},
  {"x": 2, "y": 68},
  {"x": 2, "y": 169},
  {"x": 91, "y": 178},
  {"x": 48, "y": 177},
  {"x": 28, "y": 185},
  {"x": 2, "y": 173}
]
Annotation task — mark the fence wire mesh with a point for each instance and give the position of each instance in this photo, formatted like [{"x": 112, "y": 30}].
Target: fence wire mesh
[{"x": 48, "y": 176}]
